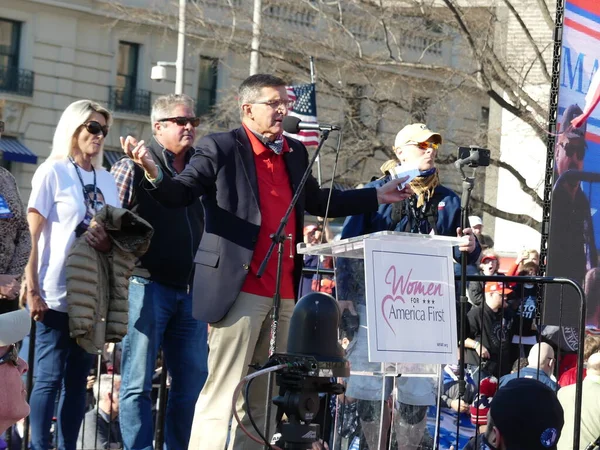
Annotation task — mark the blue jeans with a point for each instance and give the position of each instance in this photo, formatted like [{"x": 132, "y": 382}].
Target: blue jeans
[
  {"x": 159, "y": 314},
  {"x": 60, "y": 364}
]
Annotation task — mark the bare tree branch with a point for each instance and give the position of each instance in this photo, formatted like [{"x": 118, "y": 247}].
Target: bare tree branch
[
  {"x": 546, "y": 14},
  {"x": 523, "y": 219},
  {"x": 450, "y": 159}
]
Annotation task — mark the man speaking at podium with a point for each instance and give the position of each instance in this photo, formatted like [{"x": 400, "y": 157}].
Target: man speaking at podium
[
  {"x": 247, "y": 178},
  {"x": 433, "y": 209}
]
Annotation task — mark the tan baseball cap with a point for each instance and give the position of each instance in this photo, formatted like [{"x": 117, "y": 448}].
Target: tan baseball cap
[
  {"x": 416, "y": 132},
  {"x": 14, "y": 326}
]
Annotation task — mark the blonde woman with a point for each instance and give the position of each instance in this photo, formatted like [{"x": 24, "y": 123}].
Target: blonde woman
[{"x": 67, "y": 191}]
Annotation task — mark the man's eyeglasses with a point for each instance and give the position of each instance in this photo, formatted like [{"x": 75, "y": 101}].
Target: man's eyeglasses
[
  {"x": 182, "y": 121},
  {"x": 571, "y": 148},
  {"x": 12, "y": 355},
  {"x": 94, "y": 127},
  {"x": 425, "y": 145},
  {"x": 276, "y": 104},
  {"x": 1, "y": 127}
]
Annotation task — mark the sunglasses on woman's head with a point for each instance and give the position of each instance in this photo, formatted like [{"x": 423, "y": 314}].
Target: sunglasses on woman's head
[
  {"x": 11, "y": 355},
  {"x": 94, "y": 127},
  {"x": 182, "y": 121}
]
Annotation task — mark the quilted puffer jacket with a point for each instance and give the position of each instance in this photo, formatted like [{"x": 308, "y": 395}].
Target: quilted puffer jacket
[{"x": 98, "y": 283}]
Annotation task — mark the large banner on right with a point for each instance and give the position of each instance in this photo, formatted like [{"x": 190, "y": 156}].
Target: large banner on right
[{"x": 575, "y": 202}]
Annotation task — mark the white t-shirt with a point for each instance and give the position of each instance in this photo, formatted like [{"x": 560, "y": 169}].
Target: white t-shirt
[{"x": 57, "y": 194}]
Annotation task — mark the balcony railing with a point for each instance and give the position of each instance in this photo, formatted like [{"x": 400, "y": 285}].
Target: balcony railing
[
  {"x": 292, "y": 15},
  {"x": 134, "y": 101},
  {"x": 16, "y": 81}
]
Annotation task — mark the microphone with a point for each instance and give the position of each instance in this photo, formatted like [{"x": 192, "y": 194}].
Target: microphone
[{"x": 294, "y": 125}]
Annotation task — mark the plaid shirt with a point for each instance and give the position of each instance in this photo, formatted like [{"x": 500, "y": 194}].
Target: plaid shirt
[{"x": 123, "y": 171}]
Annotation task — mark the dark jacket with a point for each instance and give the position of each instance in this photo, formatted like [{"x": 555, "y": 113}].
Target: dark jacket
[
  {"x": 448, "y": 220},
  {"x": 476, "y": 291},
  {"x": 177, "y": 232},
  {"x": 223, "y": 172},
  {"x": 571, "y": 253}
]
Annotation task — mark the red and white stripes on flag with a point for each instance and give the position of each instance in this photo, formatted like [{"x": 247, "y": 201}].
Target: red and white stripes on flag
[{"x": 305, "y": 108}]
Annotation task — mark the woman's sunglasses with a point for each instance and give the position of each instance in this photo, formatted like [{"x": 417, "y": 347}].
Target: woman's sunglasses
[
  {"x": 182, "y": 121},
  {"x": 94, "y": 127},
  {"x": 11, "y": 355}
]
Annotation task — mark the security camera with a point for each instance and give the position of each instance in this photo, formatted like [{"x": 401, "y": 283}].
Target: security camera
[{"x": 158, "y": 73}]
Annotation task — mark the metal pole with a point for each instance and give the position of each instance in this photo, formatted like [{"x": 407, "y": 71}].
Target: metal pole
[
  {"x": 159, "y": 436},
  {"x": 256, "y": 24},
  {"x": 180, "y": 63},
  {"x": 31, "y": 362},
  {"x": 313, "y": 80}
]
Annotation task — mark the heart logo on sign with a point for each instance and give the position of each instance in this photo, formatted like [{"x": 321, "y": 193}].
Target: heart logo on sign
[{"x": 383, "y": 302}]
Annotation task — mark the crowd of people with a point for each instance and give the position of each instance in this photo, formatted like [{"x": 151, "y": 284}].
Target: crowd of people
[{"x": 168, "y": 244}]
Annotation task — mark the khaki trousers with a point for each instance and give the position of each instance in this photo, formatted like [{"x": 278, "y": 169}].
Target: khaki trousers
[{"x": 240, "y": 339}]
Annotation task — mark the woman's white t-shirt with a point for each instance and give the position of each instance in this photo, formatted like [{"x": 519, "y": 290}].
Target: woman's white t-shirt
[{"x": 57, "y": 194}]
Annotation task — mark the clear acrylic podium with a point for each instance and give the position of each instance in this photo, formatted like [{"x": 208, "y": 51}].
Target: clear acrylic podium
[{"x": 387, "y": 405}]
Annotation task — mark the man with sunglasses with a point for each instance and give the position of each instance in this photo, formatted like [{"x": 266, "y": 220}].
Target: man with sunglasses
[
  {"x": 247, "y": 178},
  {"x": 160, "y": 294},
  {"x": 432, "y": 209},
  {"x": 571, "y": 243},
  {"x": 14, "y": 326}
]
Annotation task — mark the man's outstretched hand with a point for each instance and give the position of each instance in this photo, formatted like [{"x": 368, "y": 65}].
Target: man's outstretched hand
[
  {"x": 390, "y": 192},
  {"x": 139, "y": 154}
]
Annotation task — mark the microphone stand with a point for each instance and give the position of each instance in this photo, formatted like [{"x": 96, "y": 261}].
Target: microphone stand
[
  {"x": 277, "y": 240},
  {"x": 467, "y": 188},
  {"x": 593, "y": 445}
]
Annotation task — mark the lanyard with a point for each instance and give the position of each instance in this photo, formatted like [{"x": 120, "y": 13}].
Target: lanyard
[{"x": 86, "y": 199}]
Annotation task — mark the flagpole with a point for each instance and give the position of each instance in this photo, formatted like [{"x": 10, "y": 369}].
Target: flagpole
[
  {"x": 312, "y": 80},
  {"x": 255, "y": 44}
]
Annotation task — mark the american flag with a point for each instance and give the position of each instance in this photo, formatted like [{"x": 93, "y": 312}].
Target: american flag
[{"x": 305, "y": 108}]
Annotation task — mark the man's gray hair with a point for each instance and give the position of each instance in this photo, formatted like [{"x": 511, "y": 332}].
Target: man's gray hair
[
  {"x": 251, "y": 87},
  {"x": 164, "y": 105},
  {"x": 104, "y": 385}
]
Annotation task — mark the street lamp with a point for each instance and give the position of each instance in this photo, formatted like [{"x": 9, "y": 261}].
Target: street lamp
[{"x": 159, "y": 71}]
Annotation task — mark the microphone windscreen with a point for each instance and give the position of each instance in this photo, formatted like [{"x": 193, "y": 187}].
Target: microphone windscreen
[{"x": 290, "y": 124}]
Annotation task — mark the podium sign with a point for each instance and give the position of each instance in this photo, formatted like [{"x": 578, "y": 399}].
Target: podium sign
[{"x": 411, "y": 303}]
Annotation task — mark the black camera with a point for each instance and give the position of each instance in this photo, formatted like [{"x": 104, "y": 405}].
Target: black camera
[
  {"x": 473, "y": 157},
  {"x": 313, "y": 362}
]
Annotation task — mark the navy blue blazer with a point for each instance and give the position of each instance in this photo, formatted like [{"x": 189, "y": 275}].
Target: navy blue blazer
[{"x": 222, "y": 171}]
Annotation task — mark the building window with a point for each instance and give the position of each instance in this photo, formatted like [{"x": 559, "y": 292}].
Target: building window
[
  {"x": 207, "y": 85},
  {"x": 12, "y": 78},
  {"x": 125, "y": 96},
  {"x": 10, "y": 37},
  {"x": 127, "y": 68}
]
